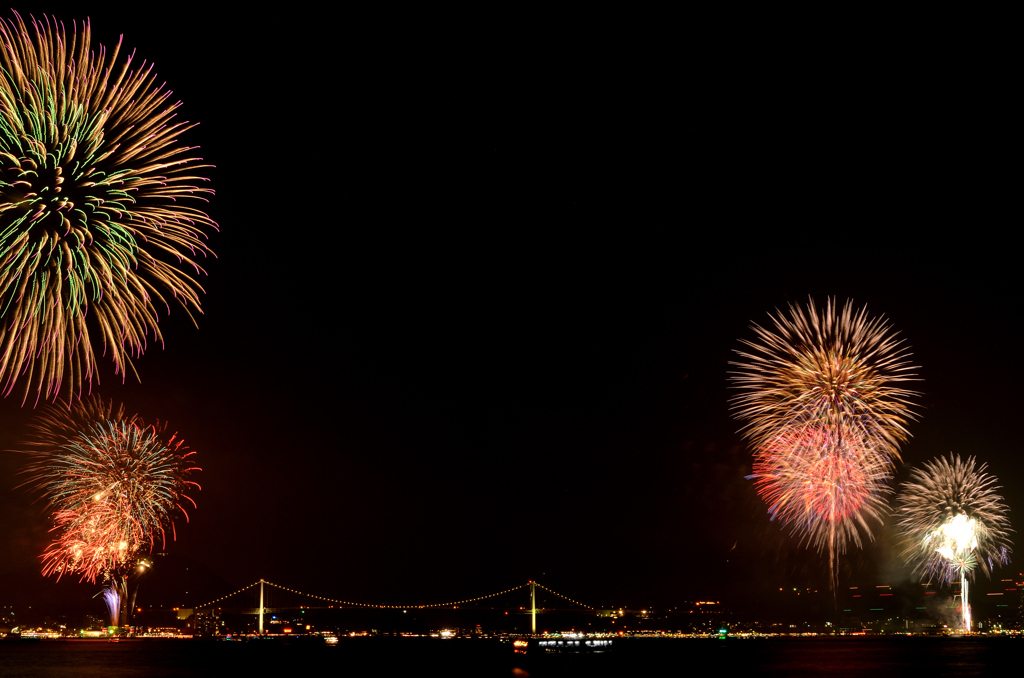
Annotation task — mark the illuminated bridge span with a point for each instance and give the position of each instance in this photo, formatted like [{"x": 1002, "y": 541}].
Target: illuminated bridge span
[{"x": 332, "y": 603}]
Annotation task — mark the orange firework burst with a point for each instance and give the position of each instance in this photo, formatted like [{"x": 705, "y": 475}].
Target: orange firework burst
[
  {"x": 822, "y": 485},
  {"x": 114, "y": 485},
  {"x": 825, "y": 409}
]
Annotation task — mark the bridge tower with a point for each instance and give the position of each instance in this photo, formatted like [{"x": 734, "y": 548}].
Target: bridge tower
[
  {"x": 533, "y": 607},
  {"x": 261, "y": 607}
]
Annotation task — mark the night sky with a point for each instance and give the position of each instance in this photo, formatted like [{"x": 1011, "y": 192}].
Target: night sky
[{"x": 470, "y": 320}]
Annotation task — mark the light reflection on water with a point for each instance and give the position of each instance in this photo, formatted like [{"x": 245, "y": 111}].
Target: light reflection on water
[{"x": 877, "y": 658}]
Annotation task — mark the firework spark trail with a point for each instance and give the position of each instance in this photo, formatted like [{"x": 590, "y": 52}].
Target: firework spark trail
[
  {"x": 91, "y": 217},
  {"x": 953, "y": 520},
  {"x": 825, "y": 413},
  {"x": 113, "y": 484},
  {"x": 112, "y": 599}
]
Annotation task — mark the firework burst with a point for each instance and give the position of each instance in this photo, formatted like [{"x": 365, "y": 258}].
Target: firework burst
[
  {"x": 953, "y": 521},
  {"x": 821, "y": 394},
  {"x": 114, "y": 486},
  {"x": 94, "y": 214},
  {"x": 824, "y": 486},
  {"x": 837, "y": 369}
]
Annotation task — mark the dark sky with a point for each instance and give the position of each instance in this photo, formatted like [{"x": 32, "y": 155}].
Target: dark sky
[{"x": 471, "y": 317}]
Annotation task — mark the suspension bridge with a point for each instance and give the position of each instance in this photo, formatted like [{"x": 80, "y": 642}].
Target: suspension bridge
[{"x": 324, "y": 602}]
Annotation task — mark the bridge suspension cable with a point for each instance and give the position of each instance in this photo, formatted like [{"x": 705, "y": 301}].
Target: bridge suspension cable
[
  {"x": 355, "y": 604},
  {"x": 565, "y": 597},
  {"x": 345, "y": 602},
  {"x": 389, "y": 607},
  {"x": 217, "y": 600}
]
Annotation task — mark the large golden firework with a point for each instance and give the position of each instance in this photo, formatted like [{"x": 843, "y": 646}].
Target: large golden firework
[
  {"x": 96, "y": 226},
  {"x": 832, "y": 369}
]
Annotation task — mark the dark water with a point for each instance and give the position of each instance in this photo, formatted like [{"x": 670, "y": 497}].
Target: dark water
[{"x": 924, "y": 657}]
